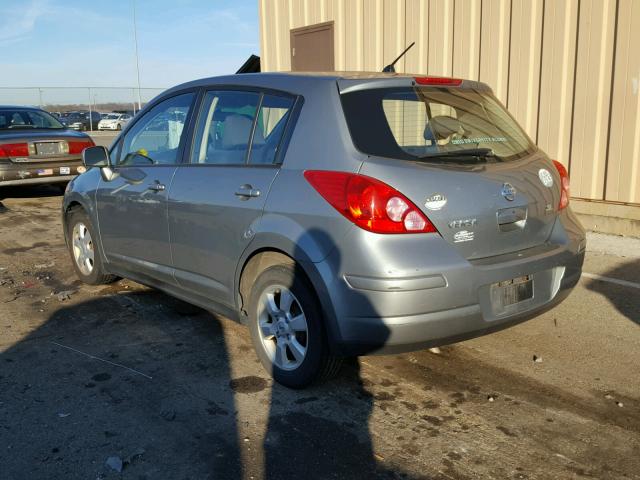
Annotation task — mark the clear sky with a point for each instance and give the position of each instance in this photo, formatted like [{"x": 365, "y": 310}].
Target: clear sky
[{"x": 90, "y": 42}]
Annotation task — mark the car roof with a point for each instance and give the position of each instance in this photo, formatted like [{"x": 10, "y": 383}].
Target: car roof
[
  {"x": 290, "y": 79},
  {"x": 20, "y": 107}
]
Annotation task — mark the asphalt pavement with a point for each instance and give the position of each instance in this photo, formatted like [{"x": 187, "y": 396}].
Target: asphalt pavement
[
  {"x": 121, "y": 381},
  {"x": 104, "y": 138}
]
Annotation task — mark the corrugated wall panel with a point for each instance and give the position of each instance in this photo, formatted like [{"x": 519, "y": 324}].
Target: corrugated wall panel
[
  {"x": 296, "y": 13},
  {"x": 623, "y": 169},
  {"x": 393, "y": 32},
  {"x": 264, "y": 29},
  {"x": 592, "y": 97},
  {"x": 354, "y": 54},
  {"x": 283, "y": 24},
  {"x": 313, "y": 11},
  {"x": 552, "y": 62},
  {"x": 336, "y": 12},
  {"x": 372, "y": 40},
  {"x": 494, "y": 45},
  {"x": 557, "y": 78},
  {"x": 466, "y": 38},
  {"x": 440, "y": 37},
  {"x": 417, "y": 26},
  {"x": 524, "y": 62}
]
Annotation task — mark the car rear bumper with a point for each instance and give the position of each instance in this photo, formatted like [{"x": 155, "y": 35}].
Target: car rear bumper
[
  {"x": 393, "y": 305},
  {"x": 39, "y": 173}
]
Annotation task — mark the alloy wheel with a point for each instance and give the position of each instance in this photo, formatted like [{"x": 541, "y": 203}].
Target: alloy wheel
[
  {"x": 283, "y": 327},
  {"x": 83, "y": 252}
]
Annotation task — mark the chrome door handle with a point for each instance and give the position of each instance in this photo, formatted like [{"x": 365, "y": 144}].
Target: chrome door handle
[
  {"x": 246, "y": 191},
  {"x": 156, "y": 187}
]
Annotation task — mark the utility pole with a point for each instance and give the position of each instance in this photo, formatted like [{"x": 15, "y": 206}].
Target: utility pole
[
  {"x": 135, "y": 41},
  {"x": 40, "y": 97},
  {"x": 90, "y": 112}
]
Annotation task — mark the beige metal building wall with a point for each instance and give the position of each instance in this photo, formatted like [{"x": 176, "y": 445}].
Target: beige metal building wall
[{"x": 568, "y": 70}]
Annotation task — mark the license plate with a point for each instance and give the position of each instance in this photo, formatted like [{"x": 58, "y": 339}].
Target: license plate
[
  {"x": 65, "y": 170},
  {"x": 515, "y": 290},
  {"x": 45, "y": 171},
  {"x": 47, "y": 148}
]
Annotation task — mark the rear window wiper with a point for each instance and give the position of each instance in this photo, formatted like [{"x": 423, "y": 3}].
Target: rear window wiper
[{"x": 475, "y": 155}]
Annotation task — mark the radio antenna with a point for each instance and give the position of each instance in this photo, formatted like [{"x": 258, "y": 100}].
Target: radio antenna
[{"x": 391, "y": 68}]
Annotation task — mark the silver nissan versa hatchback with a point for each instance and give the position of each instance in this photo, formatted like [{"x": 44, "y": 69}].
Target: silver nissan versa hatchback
[{"x": 333, "y": 214}]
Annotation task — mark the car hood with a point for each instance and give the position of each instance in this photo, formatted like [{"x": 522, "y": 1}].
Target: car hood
[{"x": 36, "y": 134}]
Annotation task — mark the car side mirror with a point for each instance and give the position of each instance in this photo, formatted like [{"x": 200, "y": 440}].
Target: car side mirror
[{"x": 96, "y": 157}]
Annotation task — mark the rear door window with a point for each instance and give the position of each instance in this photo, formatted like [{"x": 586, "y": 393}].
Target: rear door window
[
  {"x": 418, "y": 123},
  {"x": 224, "y": 127},
  {"x": 239, "y": 127}
]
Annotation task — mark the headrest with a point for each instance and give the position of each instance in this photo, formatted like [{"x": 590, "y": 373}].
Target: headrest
[
  {"x": 442, "y": 126},
  {"x": 236, "y": 130}
]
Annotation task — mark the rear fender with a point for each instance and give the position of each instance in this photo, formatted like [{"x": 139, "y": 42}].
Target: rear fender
[{"x": 300, "y": 250}]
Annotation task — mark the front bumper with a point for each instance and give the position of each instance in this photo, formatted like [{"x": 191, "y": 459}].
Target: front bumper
[
  {"x": 40, "y": 172},
  {"x": 401, "y": 293}
]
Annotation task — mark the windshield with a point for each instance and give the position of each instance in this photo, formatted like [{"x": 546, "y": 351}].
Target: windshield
[
  {"x": 425, "y": 123},
  {"x": 112, "y": 116},
  {"x": 28, "y": 119}
]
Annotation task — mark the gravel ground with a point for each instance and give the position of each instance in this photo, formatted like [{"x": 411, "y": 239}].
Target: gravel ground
[{"x": 122, "y": 381}]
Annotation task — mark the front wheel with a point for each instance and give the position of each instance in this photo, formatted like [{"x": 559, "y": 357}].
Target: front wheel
[
  {"x": 87, "y": 260},
  {"x": 287, "y": 328}
]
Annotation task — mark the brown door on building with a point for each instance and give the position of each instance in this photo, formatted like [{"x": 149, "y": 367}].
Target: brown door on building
[{"x": 312, "y": 48}]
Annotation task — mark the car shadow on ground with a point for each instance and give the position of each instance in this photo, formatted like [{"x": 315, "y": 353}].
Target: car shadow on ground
[
  {"x": 125, "y": 375},
  {"x": 625, "y": 299},
  {"x": 32, "y": 191},
  {"x": 136, "y": 376}
]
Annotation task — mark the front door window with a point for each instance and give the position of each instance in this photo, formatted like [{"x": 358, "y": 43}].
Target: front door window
[{"x": 155, "y": 139}]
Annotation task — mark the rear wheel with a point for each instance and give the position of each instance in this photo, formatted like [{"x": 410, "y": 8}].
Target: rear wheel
[
  {"x": 287, "y": 329},
  {"x": 87, "y": 260}
]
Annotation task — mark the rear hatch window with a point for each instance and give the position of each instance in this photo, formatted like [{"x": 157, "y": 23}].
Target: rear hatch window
[{"x": 434, "y": 124}]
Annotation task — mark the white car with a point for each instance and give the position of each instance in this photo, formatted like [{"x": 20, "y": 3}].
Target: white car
[{"x": 114, "y": 121}]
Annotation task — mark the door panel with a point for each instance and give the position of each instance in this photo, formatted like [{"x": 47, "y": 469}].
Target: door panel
[
  {"x": 132, "y": 206},
  {"x": 132, "y": 211},
  {"x": 211, "y": 225},
  {"x": 217, "y": 199}
]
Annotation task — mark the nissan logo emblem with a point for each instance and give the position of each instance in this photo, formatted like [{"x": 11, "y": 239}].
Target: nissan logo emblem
[{"x": 508, "y": 191}]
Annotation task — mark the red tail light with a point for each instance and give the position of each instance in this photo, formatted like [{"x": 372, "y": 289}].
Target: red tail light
[
  {"x": 369, "y": 203},
  {"x": 9, "y": 150},
  {"x": 442, "y": 81},
  {"x": 78, "y": 147},
  {"x": 564, "y": 185}
]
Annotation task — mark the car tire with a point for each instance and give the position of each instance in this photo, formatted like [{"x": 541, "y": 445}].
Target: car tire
[
  {"x": 289, "y": 337},
  {"x": 83, "y": 247},
  {"x": 118, "y": 127}
]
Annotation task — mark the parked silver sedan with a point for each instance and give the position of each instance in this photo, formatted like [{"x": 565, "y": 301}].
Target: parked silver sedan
[{"x": 334, "y": 214}]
